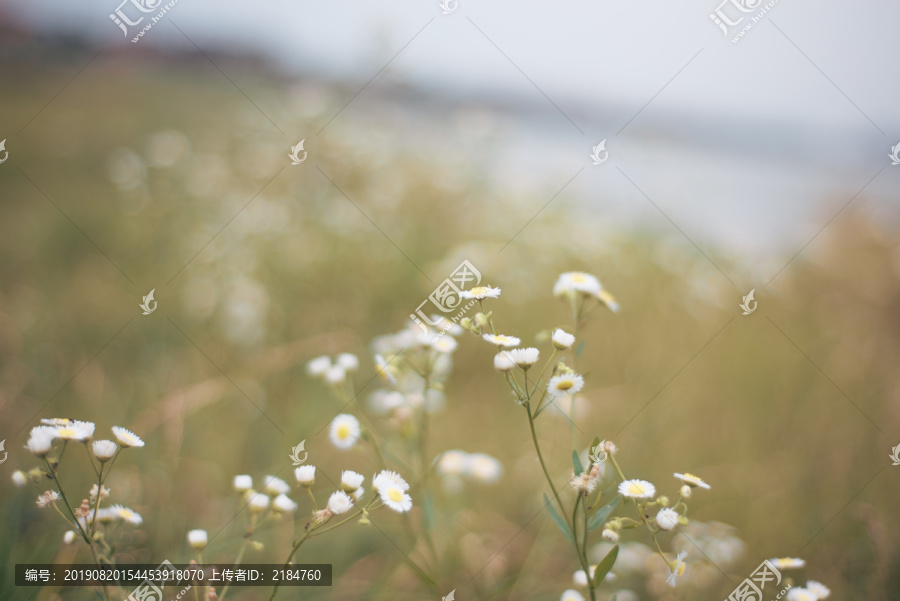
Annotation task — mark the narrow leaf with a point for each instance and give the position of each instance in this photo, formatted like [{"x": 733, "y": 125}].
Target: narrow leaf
[
  {"x": 603, "y": 513},
  {"x": 560, "y": 522},
  {"x": 576, "y": 463},
  {"x": 605, "y": 566}
]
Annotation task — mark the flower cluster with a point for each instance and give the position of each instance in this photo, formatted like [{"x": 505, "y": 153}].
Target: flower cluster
[{"x": 456, "y": 465}]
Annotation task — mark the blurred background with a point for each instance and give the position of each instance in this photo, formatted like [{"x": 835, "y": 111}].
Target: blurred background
[{"x": 433, "y": 138}]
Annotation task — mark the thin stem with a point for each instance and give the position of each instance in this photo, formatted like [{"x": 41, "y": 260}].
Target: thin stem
[
  {"x": 291, "y": 556},
  {"x": 537, "y": 448}
]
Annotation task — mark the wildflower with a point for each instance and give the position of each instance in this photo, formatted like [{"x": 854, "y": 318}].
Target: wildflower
[
  {"x": 104, "y": 493},
  {"x": 306, "y": 475},
  {"x": 335, "y": 375},
  {"x": 453, "y": 463},
  {"x": 685, "y": 491},
  {"x": 576, "y": 281},
  {"x": 393, "y": 494},
  {"x": 57, "y": 421},
  {"x": 692, "y": 480},
  {"x": 344, "y": 431},
  {"x": 799, "y": 593},
  {"x": 243, "y": 483},
  {"x": 69, "y": 537},
  {"x": 502, "y": 340},
  {"x": 818, "y": 589},
  {"x": 608, "y": 299},
  {"x": 339, "y": 502},
  {"x": 484, "y": 468},
  {"x": 564, "y": 384},
  {"x": 667, "y": 518},
  {"x": 678, "y": 568},
  {"x": 524, "y": 357},
  {"x": 51, "y": 496},
  {"x": 258, "y": 502},
  {"x": 18, "y": 478},
  {"x": 503, "y": 361},
  {"x": 126, "y": 515},
  {"x": 480, "y": 293},
  {"x": 562, "y": 340},
  {"x": 583, "y": 483},
  {"x": 318, "y": 366},
  {"x": 104, "y": 450},
  {"x": 357, "y": 494},
  {"x": 127, "y": 438},
  {"x": 40, "y": 441},
  {"x": 610, "y": 535},
  {"x": 387, "y": 478},
  {"x": 384, "y": 370},
  {"x": 275, "y": 486},
  {"x": 197, "y": 539},
  {"x": 351, "y": 480},
  {"x": 637, "y": 489},
  {"x": 348, "y": 361},
  {"x": 284, "y": 504},
  {"x": 571, "y": 595},
  {"x": 444, "y": 344},
  {"x": 788, "y": 563},
  {"x": 442, "y": 323},
  {"x": 76, "y": 430}
]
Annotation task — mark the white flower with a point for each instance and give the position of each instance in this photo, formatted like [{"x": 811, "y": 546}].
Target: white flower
[
  {"x": 562, "y": 339},
  {"x": 306, "y": 475},
  {"x": 127, "y": 438},
  {"x": 386, "y": 479},
  {"x": 126, "y": 515},
  {"x": 69, "y": 537},
  {"x": 501, "y": 340},
  {"x": 357, "y": 494},
  {"x": 580, "y": 578},
  {"x": 348, "y": 361},
  {"x": 691, "y": 480},
  {"x": 442, "y": 323},
  {"x": 284, "y": 504},
  {"x": 104, "y": 450},
  {"x": 444, "y": 344},
  {"x": 351, "y": 480},
  {"x": 610, "y": 535},
  {"x": 484, "y": 468},
  {"x": 609, "y": 300},
  {"x": 104, "y": 493},
  {"x": 339, "y": 502},
  {"x": 524, "y": 357},
  {"x": 275, "y": 486},
  {"x": 335, "y": 375},
  {"x": 685, "y": 491},
  {"x": 318, "y": 366},
  {"x": 667, "y": 518},
  {"x": 798, "y": 593},
  {"x": 576, "y": 281},
  {"x": 583, "y": 483},
  {"x": 393, "y": 494},
  {"x": 571, "y": 595},
  {"x": 19, "y": 479},
  {"x": 453, "y": 463},
  {"x": 57, "y": 421},
  {"x": 76, "y": 430},
  {"x": 564, "y": 384},
  {"x": 818, "y": 589},
  {"x": 344, "y": 431},
  {"x": 197, "y": 539},
  {"x": 40, "y": 441},
  {"x": 384, "y": 370},
  {"x": 503, "y": 361},
  {"x": 243, "y": 483},
  {"x": 788, "y": 563},
  {"x": 637, "y": 489},
  {"x": 258, "y": 502},
  {"x": 678, "y": 570},
  {"x": 480, "y": 293},
  {"x": 47, "y": 498}
]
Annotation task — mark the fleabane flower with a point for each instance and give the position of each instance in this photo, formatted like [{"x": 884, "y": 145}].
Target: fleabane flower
[
  {"x": 503, "y": 361},
  {"x": 127, "y": 438},
  {"x": 444, "y": 344},
  {"x": 387, "y": 478},
  {"x": 571, "y": 595},
  {"x": 799, "y": 593},
  {"x": 351, "y": 480},
  {"x": 243, "y": 483},
  {"x": 318, "y": 366},
  {"x": 393, "y": 494},
  {"x": 76, "y": 430},
  {"x": 564, "y": 384},
  {"x": 40, "y": 441},
  {"x": 306, "y": 475},
  {"x": 637, "y": 489},
  {"x": 480, "y": 293},
  {"x": 384, "y": 370},
  {"x": 667, "y": 518},
  {"x": 104, "y": 493},
  {"x": 275, "y": 486},
  {"x": 339, "y": 502},
  {"x": 335, "y": 375},
  {"x": 258, "y": 502},
  {"x": 47, "y": 498},
  {"x": 104, "y": 450},
  {"x": 348, "y": 361},
  {"x": 583, "y": 483},
  {"x": 524, "y": 357},
  {"x": 788, "y": 563},
  {"x": 453, "y": 463},
  {"x": 501, "y": 340},
  {"x": 608, "y": 299},
  {"x": 577, "y": 282},
  {"x": 19, "y": 478},
  {"x": 284, "y": 504},
  {"x": 818, "y": 589},
  {"x": 126, "y": 514},
  {"x": 562, "y": 340},
  {"x": 678, "y": 569},
  {"x": 197, "y": 539},
  {"x": 344, "y": 431},
  {"x": 483, "y": 468},
  {"x": 692, "y": 480}
]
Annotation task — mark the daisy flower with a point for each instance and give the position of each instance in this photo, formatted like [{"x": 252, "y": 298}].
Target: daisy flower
[
  {"x": 562, "y": 340},
  {"x": 788, "y": 563},
  {"x": 503, "y": 361},
  {"x": 691, "y": 480},
  {"x": 393, "y": 494},
  {"x": 335, "y": 375},
  {"x": 318, "y": 366},
  {"x": 564, "y": 384},
  {"x": 197, "y": 539},
  {"x": 243, "y": 483},
  {"x": 799, "y": 593},
  {"x": 339, "y": 502},
  {"x": 524, "y": 357},
  {"x": 275, "y": 486},
  {"x": 351, "y": 480},
  {"x": 667, "y": 518},
  {"x": 576, "y": 281},
  {"x": 40, "y": 441},
  {"x": 637, "y": 489},
  {"x": 126, "y": 515},
  {"x": 484, "y": 468},
  {"x": 610, "y": 535},
  {"x": 818, "y": 589},
  {"x": 284, "y": 504},
  {"x": 480, "y": 293},
  {"x": 104, "y": 493},
  {"x": 127, "y": 438},
  {"x": 453, "y": 463},
  {"x": 348, "y": 361},
  {"x": 444, "y": 344},
  {"x": 609, "y": 300},
  {"x": 344, "y": 431},
  {"x": 57, "y": 421},
  {"x": 678, "y": 570},
  {"x": 306, "y": 475},
  {"x": 571, "y": 595},
  {"x": 442, "y": 323},
  {"x": 357, "y": 494},
  {"x": 258, "y": 502},
  {"x": 387, "y": 478},
  {"x": 502, "y": 340},
  {"x": 104, "y": 450},
  {"x": 19, "y": 479},
  {"x": 51, "y": 496},
  {"x": 76, "y": 430}
]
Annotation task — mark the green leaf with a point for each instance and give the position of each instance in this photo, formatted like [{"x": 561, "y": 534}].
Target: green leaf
[
  {"x": 605, "y": 566},
  {"x": 579, "y": 349},
  {"x": 560, "y": 523},
  {"x": 603, "y": 513},
  {"x": 576, "y": 463}
]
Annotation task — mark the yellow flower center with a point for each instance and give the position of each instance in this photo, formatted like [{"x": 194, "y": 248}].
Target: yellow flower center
[
  {"x": 66, "y": 433},
  {"x": 478, "y": 290},
  {"x": 343, "y": 431},
  {"x": 565, "y": 385},
  {"x": 636, "y": 489},
  {"x": 578, "y": 278},
  {"x": 395, "y": 495}
]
